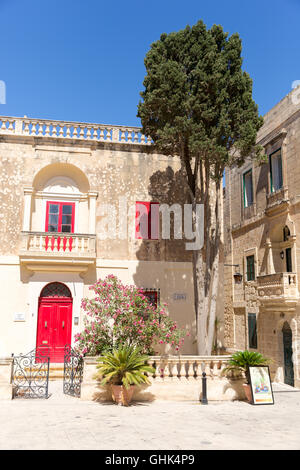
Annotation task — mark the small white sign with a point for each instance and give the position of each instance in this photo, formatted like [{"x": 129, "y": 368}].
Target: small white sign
[
  {"x": 19, "y": 316},
  {"x": 179, "y": 296}
]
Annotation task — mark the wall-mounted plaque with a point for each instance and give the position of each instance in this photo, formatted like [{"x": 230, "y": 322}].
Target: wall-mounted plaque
[
  {"x": 179, "y": 296},
  {"x": 19, "y": 316}
]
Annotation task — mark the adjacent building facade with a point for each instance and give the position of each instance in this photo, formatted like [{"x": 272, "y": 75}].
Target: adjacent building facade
[{"x": 262, "y": 242}]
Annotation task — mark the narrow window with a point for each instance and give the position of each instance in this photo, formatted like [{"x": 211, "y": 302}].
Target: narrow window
[
  {"x": 286, "y": 234},
  {"x": 146, "y": 220},
  {"x": 60, "y": 217},
  {"x": 248, "y": 188},
  {"x": 250, "y": 268},
  {"x": 288, "y": 256},
  {"x": 252, "y": 331},
  {"x": 276, "y": 171}
]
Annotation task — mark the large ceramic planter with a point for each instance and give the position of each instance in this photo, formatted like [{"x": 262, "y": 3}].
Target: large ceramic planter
[
  {"x": 121, "y": 395},
  {"x": 247, "y": 389}
]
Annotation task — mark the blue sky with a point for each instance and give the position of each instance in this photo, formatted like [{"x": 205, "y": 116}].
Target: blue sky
[{"x": 84, "y": 60}]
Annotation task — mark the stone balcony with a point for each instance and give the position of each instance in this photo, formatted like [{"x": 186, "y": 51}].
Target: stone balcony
[
  {"x": 72, "y": 131},
  {"x": 41, "y": 251},
  {"x": 277, "y": 201},
  {"x": 278, "y": 291}
]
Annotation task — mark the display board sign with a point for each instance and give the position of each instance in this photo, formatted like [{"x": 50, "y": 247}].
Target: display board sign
[{"x": 261, "y": 387}]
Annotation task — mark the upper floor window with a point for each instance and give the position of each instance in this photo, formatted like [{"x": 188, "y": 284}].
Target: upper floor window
[
  {"x": 248, "y": 188},
  {"x": 250, "y": 268},
  {"x": 146, "y": 220},
  {"x": 60, "y": 217},
  {"x": 276, "y": 171}
]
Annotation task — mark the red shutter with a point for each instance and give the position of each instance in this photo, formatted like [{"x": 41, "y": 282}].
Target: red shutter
[
  {"x": 146, "y": 220},
  {"x": 142, "y": 211}
]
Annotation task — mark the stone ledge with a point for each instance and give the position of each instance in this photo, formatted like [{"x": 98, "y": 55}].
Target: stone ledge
[
  {"x": 177, "y": 387},
  {"x": 5, "y": 378}
]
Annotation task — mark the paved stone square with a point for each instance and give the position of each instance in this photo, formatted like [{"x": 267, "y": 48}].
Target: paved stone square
[{"x": 64, "y": 422}]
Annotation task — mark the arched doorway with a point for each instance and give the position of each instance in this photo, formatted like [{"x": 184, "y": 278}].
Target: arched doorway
[
  {"x": 287, "y": 337},
  {"x": 55, "y": 320}
]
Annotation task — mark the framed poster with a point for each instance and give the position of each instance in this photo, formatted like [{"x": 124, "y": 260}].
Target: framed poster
[{"x": 260, "y": 384}]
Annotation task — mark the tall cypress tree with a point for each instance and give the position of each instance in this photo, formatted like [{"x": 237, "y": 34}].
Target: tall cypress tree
[{"x": 197, "y": 104}]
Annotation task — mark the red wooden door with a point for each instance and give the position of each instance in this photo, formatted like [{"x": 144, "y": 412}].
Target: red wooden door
[{"x": 54, "y": 326}]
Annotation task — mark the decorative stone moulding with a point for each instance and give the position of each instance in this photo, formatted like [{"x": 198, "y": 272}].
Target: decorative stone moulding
[{"x": 278, "y": 291}]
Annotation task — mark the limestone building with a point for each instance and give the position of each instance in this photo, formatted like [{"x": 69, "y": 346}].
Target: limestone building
[
  {"x": 57, "y": 179},
  {"x": 262, "y": 242}
]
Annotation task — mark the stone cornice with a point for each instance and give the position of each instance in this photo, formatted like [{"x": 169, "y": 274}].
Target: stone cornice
[{"x": 280, "y": 131}]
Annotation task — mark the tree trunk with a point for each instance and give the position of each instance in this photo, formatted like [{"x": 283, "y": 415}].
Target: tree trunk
[{"x": 206, "y": 270}]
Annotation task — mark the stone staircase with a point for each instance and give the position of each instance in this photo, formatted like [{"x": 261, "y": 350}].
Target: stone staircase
[{"x": 56, "y": 371}]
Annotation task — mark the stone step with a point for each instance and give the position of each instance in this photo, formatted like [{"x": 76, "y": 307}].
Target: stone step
[{"x": 56, "y": 372}]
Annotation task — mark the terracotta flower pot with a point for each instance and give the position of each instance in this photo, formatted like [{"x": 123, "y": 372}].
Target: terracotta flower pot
[
  {"x": 247, "y": 389},
  {"x": 121, "y": 395}
]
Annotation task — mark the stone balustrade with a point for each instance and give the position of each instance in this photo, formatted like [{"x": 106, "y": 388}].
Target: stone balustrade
[
  {"x": 58, "y": 243},
  {"x": 175, "y": 378},
  {"x": 77, "y": 251},
  {"x": 278, "y": 290},
  {"x": 72, "y": 130},
  {"x": 187, "y": 366}
]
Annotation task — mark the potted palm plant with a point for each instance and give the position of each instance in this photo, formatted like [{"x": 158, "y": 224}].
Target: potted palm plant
[
  {"x": 123, "y": 369},
  {"x": 240, "y": 362}
]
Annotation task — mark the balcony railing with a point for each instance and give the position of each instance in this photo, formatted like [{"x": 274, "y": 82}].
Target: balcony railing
[
  {"x": 277, "y": 200},
  {"x": 278, "y": 291},
  {"x": 72, "y": 130},
  {"x": 60, "y": 248}
]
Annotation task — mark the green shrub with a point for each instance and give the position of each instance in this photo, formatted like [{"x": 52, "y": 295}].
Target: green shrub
[
  {"x": 124, "y": 366},
  {"x": 241, "y": 360}
]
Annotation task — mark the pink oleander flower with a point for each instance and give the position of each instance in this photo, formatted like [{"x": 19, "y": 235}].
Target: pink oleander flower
[{"x": 124, "y": 304}]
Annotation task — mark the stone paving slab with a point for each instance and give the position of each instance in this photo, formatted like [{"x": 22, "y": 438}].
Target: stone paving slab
[{"x": 64, "y": 422}]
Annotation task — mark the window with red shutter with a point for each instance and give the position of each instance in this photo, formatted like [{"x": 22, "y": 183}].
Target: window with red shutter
[
  {"x": 60, "y": 217},
  {"x": 152, "y": 296},
  {"x": 146, "y": 220}
]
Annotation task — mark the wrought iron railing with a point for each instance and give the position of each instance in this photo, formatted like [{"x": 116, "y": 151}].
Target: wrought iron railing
[
  {"x": 73, "y": 371},
  {"x": 30, "y": 374}
]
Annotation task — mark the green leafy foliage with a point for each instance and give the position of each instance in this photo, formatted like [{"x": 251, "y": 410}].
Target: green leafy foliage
[
  {"x": 124, "y": 366},
  {"x": 241, "y": 360},
  {"x": 119, "y": 315},
  {"x": 197, "y": 101},
  {"x": 197, "y": 105}
]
